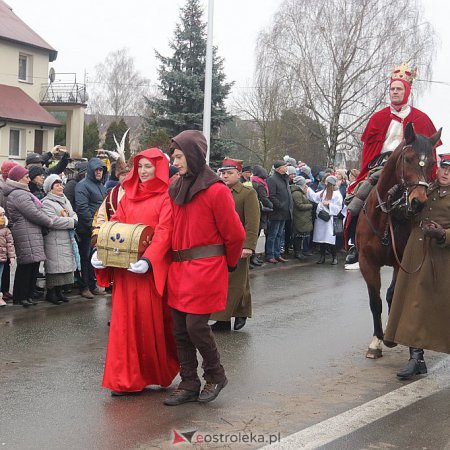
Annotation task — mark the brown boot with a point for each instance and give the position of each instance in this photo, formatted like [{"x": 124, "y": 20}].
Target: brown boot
[{"x": 86, "y": 293}]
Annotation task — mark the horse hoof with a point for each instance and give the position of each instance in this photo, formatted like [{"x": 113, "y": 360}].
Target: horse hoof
[
  {"x": 374, "y": 353},
  {"x": 390, "y": 344}
]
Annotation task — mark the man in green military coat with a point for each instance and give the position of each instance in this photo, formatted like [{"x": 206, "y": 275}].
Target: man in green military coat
[
  {"x": 239, "y": 300},
  {"x": 420, "y": 312}
]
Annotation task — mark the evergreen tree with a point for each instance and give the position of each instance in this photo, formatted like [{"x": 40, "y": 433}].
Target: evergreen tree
[
  {"x": 112, "y": 130},
  {"x": 182, "y": 81},
  {"x": 121, "y": 128},
  {"x": 91, "y": 139}
]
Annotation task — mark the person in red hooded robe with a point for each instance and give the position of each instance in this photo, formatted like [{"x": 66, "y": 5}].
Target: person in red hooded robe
[{"x": 141, "y": 346}]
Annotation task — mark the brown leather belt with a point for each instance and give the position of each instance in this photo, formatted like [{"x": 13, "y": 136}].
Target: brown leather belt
[{"x": 205, "y": 251}]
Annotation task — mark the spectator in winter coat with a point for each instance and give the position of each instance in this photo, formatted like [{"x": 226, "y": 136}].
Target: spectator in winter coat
[
  {"x": 27, "y": 223},
  {"x": 76, "y": 177},
  {"x": 280, "y": 196},
  {"x": 7, "y": 251},
  {"x": 5, "y": 279},
  {"x": 302, "y": 220},
  {"x": 5, "y": 168},
  {"x": 259, "y": 184},
  {"x": 61, "y": 260},
  {"x": 89, "y": 195},
  {"x": 37, "y": 175}
]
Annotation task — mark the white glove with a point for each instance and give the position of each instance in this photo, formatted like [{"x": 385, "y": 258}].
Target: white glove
[
  {"x": 140, "y": 266},
  {"x": 96, "y": 263}
]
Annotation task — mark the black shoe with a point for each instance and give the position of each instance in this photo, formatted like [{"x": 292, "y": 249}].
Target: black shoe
[
  {"x": 300, "y": 256},
  {"x": 180, "y": 396},
  {"x": 37, "y": 295},
  {"x": 32, "y": 302},
  {"x": 239, "y": 322},
  {"x": 321, "y": 260},
  {"x": 25, "y": 303},
  {"x": 211, "y": 391},
  {"x": 307, "y": 253},
  {"x": 352, "y": 255},
  {"x": 221, "y": 325},
  {"x": 124, "y": 393},
  {"x": 51, "y": 297},
  {"x": 255, "y": 261},
  {"x": 334, "y": 261},
  {"x": 60, "y": 294},
  {"x": 251, "y": 266},
  {"x": 415, "y": 366}
]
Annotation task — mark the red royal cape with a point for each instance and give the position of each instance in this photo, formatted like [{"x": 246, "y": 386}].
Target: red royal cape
[{"x": 376, "y": 130}]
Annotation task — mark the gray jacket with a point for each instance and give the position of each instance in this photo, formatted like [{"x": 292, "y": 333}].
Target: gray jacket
[
  {"x": 58, "y": 243},
  {"x": 26, "y": 219}
]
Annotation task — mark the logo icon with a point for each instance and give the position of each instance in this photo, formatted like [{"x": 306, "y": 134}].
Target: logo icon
[{"x": 183, "y": 437}]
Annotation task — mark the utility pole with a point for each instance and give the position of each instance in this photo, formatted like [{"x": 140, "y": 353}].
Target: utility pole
[{"x": 208, "y": 80}]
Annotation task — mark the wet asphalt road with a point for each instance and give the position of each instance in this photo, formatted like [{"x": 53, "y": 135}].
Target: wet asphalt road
[{"x": 300, "y": 360}]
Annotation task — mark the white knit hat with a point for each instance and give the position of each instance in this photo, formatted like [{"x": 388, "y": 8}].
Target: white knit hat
[{"x": 49, "y": 181}]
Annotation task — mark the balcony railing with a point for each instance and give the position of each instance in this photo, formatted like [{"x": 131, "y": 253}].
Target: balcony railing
[{"x": 72, "y": 93}]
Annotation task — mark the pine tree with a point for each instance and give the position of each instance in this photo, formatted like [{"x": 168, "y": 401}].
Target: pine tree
[
  {"x": 182, "y": 81},
  {"x": 91, "y": 139},
  {"x": 109, "y": 143},
  {"x": 117, "y": 130}
]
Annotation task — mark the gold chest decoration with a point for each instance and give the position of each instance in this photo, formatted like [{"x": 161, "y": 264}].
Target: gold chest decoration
[{"x": 120, "y": 244}]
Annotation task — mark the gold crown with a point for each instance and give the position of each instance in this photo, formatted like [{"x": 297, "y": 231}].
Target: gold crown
[{"x": 403, "y": 72}]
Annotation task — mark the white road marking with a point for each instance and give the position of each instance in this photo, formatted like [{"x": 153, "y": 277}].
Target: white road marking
[{"x": 343, "y": 424}]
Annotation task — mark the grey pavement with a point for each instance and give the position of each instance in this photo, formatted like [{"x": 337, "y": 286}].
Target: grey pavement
[{"x": 299, "y": 361}]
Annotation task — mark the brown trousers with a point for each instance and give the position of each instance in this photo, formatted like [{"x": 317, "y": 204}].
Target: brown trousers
[{"x": 192, "y": 332}]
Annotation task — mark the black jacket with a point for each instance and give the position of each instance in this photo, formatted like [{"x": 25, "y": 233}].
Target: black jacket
[
  {"x": 280, "y": 195},
  {"x": 89, "y": 194}
]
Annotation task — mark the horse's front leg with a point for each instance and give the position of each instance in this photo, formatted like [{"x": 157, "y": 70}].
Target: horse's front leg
[
  {"x": 389, "y": 297},
  {"x": 373, "y": 280}
]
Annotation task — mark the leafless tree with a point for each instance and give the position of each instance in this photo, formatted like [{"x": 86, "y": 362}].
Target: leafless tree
[
  {"x": 333, "y": 58},
  {"x": 118, "y": 88}
]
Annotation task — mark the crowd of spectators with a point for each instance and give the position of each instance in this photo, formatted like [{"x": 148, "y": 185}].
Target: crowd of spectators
[{"x": 48, "y": 213}]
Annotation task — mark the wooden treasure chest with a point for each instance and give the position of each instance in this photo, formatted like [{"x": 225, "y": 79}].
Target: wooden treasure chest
[{"x": 120, "y": 244}]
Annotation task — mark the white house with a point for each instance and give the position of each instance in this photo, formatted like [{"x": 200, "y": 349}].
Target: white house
[{"x": 27, "y": 97}]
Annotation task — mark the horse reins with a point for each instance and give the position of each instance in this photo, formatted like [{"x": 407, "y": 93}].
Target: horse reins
[{"x": 387, "y": 208}]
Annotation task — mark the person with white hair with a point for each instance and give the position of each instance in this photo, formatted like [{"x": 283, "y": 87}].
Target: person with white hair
[{"x": 329, "y": 204}]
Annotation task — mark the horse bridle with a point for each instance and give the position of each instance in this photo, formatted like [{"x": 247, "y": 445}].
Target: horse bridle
[
  {"x": 389, "y": 206},
  {"x": 404, "y": 187}
]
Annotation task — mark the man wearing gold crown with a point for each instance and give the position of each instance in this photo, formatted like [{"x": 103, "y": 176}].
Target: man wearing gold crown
[
  {"x": 385, "y": 128},
  {"x": 384, "y": 131}
]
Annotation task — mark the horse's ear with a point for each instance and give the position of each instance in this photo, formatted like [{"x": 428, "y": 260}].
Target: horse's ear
[
  {"x": 410, "y": 136},
  {"x": 435, "y": 138}
]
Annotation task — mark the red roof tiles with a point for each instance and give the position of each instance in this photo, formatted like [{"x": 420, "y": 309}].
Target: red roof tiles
[
  {"x": 14, "y": 29},
  {"x": 16, "y": 106}
]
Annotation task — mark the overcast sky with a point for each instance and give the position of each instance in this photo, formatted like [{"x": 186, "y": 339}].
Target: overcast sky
[{"x": 85, "y": 31}]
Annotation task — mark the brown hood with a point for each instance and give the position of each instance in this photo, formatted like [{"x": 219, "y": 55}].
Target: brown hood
[{"x": 199, "y": 177}]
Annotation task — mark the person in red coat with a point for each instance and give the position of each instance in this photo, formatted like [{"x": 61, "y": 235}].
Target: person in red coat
[
  {"x": 141, "y": 346},
  {"x": 384, "y": 132},
  {"x": 206, "y": 243}
]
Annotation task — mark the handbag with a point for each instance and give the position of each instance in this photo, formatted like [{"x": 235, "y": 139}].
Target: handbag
[
  {"x": 338, "y": 225},
  {"x": 120, "y": 244},
  {"x": 323, "y": 215}
]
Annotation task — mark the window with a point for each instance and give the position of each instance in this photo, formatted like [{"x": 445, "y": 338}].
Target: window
[
  {"x": 14, "y": 142},
  {"x": 25, "y": 67}
]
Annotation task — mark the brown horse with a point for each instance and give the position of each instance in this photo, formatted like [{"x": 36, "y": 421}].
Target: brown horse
[{"x": 385, "y": 223}]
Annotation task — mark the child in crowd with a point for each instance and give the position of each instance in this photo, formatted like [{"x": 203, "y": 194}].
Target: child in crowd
[{"x": 6, "y": 248}]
